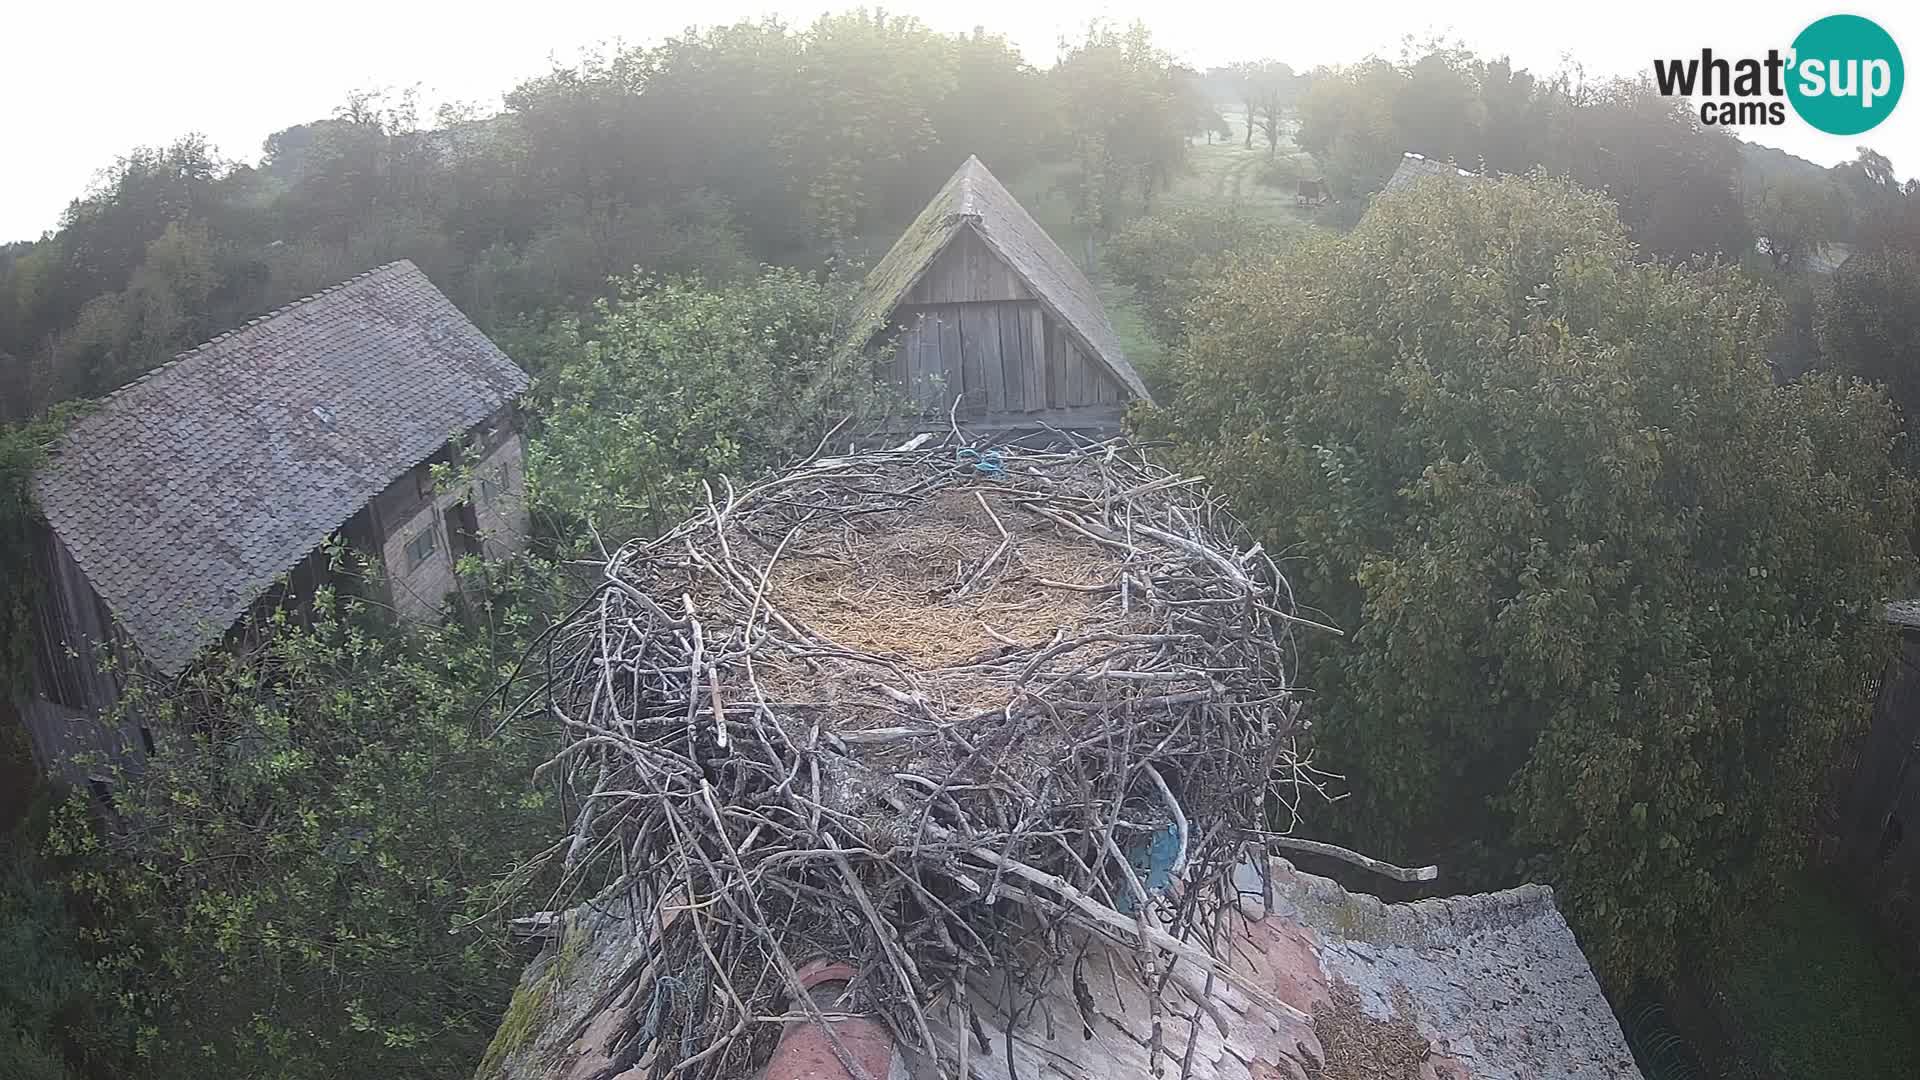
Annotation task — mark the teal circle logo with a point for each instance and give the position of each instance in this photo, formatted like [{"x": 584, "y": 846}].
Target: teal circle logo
[{"x": 1846, "y": 76}]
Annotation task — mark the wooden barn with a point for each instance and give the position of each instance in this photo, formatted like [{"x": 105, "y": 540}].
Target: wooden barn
[
  {"x": 984, "y": 310},
  {"x": 210, "y": 488}
]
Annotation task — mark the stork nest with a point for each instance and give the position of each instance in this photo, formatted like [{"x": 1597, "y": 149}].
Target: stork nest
[{"x": 927, "y": 713}]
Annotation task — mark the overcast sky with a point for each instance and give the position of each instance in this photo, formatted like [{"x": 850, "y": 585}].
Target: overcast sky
[{"x": 82, "y": 83}]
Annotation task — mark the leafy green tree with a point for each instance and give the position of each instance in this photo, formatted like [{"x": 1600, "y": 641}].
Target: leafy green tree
[
  {"x": 1347, "y": 123},
  {"x": 47, "y": 989},
  {"x": 676, "y": 381},
  {"x": 292, "y": 884},
  {"x": 1795, "y": 218},
  {"x": 1169, "y": 258},
  {"x": 997, "y": 110},
  {"x": 1610, "y": 592},
  {"x": 1868, "y": 326},
  {"x": 1674, "y": 180},
  {"x": 864, "y": 95},
  {"x": 1271, "y": 88},
  {"x": 1126, "y": 110}
]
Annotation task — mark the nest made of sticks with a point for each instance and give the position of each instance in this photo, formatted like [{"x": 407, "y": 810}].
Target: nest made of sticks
[{"x": 928, "y": 713}]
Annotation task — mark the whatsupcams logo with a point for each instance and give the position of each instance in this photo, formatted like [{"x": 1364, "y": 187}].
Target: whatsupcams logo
[{"x": 1843, "y": 75}]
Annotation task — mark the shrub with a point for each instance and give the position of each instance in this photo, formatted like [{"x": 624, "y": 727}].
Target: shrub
[
  {"x": 293, "y": 883},
  {"x": 1611, "y": 593},
  {"x": 676, "y": 381},
  {"x": 1168, "y": 257},
  {"x": 46, "y": 985}
]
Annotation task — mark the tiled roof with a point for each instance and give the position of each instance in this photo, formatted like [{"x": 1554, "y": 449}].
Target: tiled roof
[
  {"x": 1414, "y": 168},
  {"x": 188, "y": 492},
  {"x": 1484, "y": 987},
  {"x": 1904, "y": 613},
  {"x": 973, "y": 197}
]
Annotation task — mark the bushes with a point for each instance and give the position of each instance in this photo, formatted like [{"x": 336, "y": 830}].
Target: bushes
[
  {"x": 1167, "y": 258},
  {"x": 46, "y": 985},
  {"x": 676, "y": 381},
  {"x": 1611, "y": 592},
  {"x": 293, "y": 889}
]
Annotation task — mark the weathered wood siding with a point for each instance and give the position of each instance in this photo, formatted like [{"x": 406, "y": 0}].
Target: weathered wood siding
[
  {"x": 971, "y": 329},
  {"x": 73, "y": 746},
  {"x": 967, "y": 271},
  {"x": 71, "y": 626},
  {"x": 1007, "y": 362},
  {"x": 72, "y": 633}
]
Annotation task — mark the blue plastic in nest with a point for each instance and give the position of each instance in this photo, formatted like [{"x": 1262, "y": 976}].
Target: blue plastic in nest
[{"x": 985, "y": 462}]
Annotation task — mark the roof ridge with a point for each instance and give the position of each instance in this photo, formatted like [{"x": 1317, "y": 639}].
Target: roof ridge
[
  {"x": 969, "y": 173},
  {"x": 187, "y": 354},
  {"x": 1366, "y": 917}
]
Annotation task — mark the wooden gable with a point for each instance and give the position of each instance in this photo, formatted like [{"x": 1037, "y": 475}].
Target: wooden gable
[{"x": 971, "y": 328}]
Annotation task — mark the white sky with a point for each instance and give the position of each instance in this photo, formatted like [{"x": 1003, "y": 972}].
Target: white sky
[{"x": 82, "y": 83}]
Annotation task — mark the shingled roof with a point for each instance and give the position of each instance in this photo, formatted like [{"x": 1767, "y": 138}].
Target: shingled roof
[
  {"x": 188, "y": 492},
  {"x": 1414, "y": 168},
  {"x": 1490, "y": 986},
  {"x": 974, "y": 199}
]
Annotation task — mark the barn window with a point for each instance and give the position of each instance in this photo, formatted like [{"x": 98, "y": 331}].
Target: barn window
[
  {"x": 490, "y": 488},
  {"x": 146, "y": 739},
  {"x": 421, "y": 547}
]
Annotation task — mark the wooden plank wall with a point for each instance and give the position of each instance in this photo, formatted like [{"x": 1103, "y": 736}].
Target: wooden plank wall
[
  {"x": 71, "y": 625},
  {"x": 971, "y": 329},
  {"x": 967, "y": 272},
  {"x": 72, "y": 746},
  {"x": 997, "y": 357}
]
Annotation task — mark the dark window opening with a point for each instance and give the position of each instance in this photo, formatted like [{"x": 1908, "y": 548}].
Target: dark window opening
[
  {"x": 421, "y": 547},
  {"x": 102, "y": 792},
  {"x": 463, "y": 530},
  {"x": 146, "y": 739}
]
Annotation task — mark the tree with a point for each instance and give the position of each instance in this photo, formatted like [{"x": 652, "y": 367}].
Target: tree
[
  {"x": 1611, "y": 593},
  {"x": 1270, "y": 91},
  {"x": 1127, "y": 109},
  {"x": 1796, "y": 217},
  {"x": 866, "y": 92},
  {"x": 296, "y": 883},
  {"x": 1674, "y": 180},
  {"x": 1868, "y": 325},
  {"x": 997, "y": 110},
  {"x": 674, "y": 382},
  {"x": 1169, "y": 258},
  {"x": 1346, "y": 123}
]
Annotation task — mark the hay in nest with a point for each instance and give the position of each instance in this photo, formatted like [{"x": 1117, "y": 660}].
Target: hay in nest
[{"x": 932, "y": 716}]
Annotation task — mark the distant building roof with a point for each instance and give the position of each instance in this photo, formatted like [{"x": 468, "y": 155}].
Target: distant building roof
[
  {"x": 974, "y": 198},
  {"x": 191, "y": 490},
  {"x": 1828, "y": 258},
  {"x": 1903, "y": 613},
  {"x": 1414, "y": 168},
  {"x": 1824, "y": 258},
  {"x": 1486, "y": 987}
]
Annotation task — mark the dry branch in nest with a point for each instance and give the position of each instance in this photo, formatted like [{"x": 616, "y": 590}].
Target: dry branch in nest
[{"x": 936, "y": 715}]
